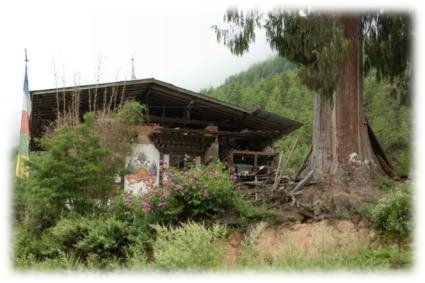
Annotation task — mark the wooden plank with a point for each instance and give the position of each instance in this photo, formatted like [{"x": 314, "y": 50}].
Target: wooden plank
[{"x": 248, "y": 152}]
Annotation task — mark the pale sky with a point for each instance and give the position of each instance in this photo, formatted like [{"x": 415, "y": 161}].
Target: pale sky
[{"x": 170, "y": 41}]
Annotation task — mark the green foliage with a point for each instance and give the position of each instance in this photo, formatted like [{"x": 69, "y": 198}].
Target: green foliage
[
  {"x": 365, "y": 209},
  {"x": 382, "y": 258},
  {"x": 196, "y": 193},
  {"x": 242, "y": 35},
  {"x": 250, "y": 213},
  {"x": 191, "y": 246},
  {"x": 364, "y": 260},
  {"x": 105, "y": 239},
  {"x": 281, "y": 91},
  {"x": 392, "y": 216},
  {"x": 91, "y": 242},
  {"x": 394, "y": 138},
  {"x": 388, "y": 43},
  {"x": 29, "y": 243},
  {"x": 59, "y": 263},
  {"x": 315, "y": 41},
  {"x": 77, "y": 169},
  {"x": 386, "y": 184},
  {"x": 69, "y": 175},
  {"x": 130, "y": 113},
  {"x": 64, "y": 203},
  {"x": 388, "y": 49},
  {"x": 18, "y": 202},
  {"x": 278, "y": 90},
  {"x": 249, "y": 244}
]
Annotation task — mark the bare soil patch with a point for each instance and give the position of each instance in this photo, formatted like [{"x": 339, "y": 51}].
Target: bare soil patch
[{"x": 321, "y": 239}]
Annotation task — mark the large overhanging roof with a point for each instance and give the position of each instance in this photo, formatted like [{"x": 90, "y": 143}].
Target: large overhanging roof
[{"x": 161, "y": 98}]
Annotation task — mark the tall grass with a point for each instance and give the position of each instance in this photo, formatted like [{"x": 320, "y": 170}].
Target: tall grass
[{"x": 191, "y": 246}]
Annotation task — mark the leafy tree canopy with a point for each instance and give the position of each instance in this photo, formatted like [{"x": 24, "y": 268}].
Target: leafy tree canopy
[{"x": 316, "y": 41}]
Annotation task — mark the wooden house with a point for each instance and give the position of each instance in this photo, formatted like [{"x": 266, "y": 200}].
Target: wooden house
[{"x": 178, "y": 123}]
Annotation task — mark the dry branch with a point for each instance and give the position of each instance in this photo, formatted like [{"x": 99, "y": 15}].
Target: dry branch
[
  {"x": 279, "y": 171},
  {"x": 299, "y": 186},
  {"x": 304, "y": 163}
]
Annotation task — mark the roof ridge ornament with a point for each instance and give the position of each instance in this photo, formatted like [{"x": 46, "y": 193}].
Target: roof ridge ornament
[{"x": 133, "y": 71}]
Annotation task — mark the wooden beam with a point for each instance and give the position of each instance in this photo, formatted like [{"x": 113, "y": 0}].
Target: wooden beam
[
  {"x": 183, "y": 121},
  {"x": 219, "y": 133},
  {"x": 247, "y": 152}
]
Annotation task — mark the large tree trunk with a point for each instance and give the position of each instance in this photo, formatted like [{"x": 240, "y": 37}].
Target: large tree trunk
[{"x": 342, "y": 150}]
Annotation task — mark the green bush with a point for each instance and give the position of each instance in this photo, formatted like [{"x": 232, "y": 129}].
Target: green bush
[
  {"x": 201, "y": 192},
  {"x": 191, "y": 246},
  {"x": 248, "y": 213},
  {"x": 382, "y": 258},
  {"x": 99, "y": 242},
  {"x": 392, "y": 216},
  {"x": 29, "y": 243},
  {"x": 386, "y": 184},
  {"x": 76, "y": 170},
  {"x": 69, "y": 175},
  {"x": 69, "y": 231},
  {"x": 105, "y": 239},
  {"x": 130, "y": 113}
]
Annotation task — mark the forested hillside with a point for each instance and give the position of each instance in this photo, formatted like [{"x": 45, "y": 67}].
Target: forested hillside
[{"x": 274, "y": 86}]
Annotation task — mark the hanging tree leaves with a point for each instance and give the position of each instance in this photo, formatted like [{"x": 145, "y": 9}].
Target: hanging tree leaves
[
  {"x": 317, "y": 43},
  {"x": 387, "y": 47},
  {"x": 313, "y": 40}
]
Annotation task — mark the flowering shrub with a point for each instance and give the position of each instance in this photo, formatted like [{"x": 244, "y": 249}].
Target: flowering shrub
[{"x": 192, "y": 193}]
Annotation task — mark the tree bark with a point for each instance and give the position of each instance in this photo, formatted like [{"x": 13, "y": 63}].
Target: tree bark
[{"x": 342, "y": 150}]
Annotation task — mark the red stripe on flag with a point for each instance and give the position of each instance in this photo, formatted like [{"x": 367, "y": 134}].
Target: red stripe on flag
[{"x": 25, "y": 123}]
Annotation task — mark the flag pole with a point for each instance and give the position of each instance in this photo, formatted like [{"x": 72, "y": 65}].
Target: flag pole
[{"x": 24, "y": 133}]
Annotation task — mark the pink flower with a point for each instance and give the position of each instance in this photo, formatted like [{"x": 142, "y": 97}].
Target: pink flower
[
  {"x": 186, "y": 174},
  {"x": 166, "y": 180},
  {"x": 161, "y": 204},
  {"x": 179, "y": 187},
  {"x": 146, "y": 207}
]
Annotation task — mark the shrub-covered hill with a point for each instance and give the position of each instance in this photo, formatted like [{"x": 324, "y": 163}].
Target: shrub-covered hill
[{"x": 273, "y": 85}]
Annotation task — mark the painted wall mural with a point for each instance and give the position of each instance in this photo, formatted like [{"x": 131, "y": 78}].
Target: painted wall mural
[{"x": 144, "y": 168}]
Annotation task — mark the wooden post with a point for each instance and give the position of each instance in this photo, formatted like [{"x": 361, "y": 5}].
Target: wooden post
[
  {"x": 198, "y": 161},
  {"x": 166, "y": 159}
]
